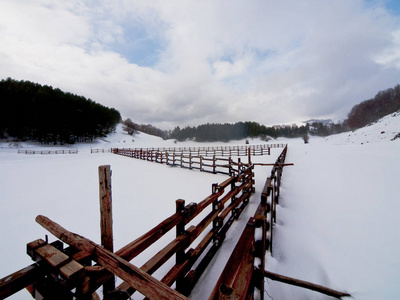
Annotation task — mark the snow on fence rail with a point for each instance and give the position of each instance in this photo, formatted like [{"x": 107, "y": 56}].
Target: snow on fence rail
[{"x": 74, "y": 151}]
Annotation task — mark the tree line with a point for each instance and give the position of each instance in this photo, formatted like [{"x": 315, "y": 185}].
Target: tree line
[
  {"x": 236, "y": 131},
  {"x": 132, "y": 128},
  {"x": 30, "y": 111},
  {"x": 241, "y": 130},
  {"x": 366, "y": 112},
  {"x": 362, "y": 114}
]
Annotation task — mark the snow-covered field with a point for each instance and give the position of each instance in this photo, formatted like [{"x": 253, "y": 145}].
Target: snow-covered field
[{"x": 337, "y": 220}]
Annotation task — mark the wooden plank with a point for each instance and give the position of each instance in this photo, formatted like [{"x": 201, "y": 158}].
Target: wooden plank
[
  {"x": 305, "y": 284},
  {"x": 68, "y": 268},
  {"x": 243, "y": 282},
  {"x": 106, "y": 207},
  {"x": 180, "y": 253},
  {"x": 266, "y": 190},
  {"x": 81, "y": 255},
  {"x": 164, "y": 254},
  {"x": 143, "y": 282},
  {"x": 52, "y": 256},
  {"x": 106, "y": 226},
  {"x": 234, "y": 272},
  {"x": 32, "y": 246},
  {"x": 15, "y": 282},
  {"x": 72, "y": 270}
]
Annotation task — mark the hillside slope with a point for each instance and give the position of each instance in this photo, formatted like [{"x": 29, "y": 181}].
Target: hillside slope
[{"x": 383, "y": 130}]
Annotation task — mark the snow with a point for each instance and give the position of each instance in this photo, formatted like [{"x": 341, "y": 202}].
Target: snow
[{"x": 337, "y": 222}]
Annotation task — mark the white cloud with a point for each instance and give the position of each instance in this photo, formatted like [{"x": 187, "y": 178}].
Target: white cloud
[
  {"x": 390, "y": 57},
  {"x": 213, "y": 61}
]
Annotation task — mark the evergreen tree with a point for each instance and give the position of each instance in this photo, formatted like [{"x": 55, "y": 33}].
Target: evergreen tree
[{"x": 31, "y": 111}]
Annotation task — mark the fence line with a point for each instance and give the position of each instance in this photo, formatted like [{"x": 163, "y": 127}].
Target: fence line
[
  {"x": 202, "y": 151},
  {"x": 109, "y": 150},
  {"x": 241, "y": 275},
  {"x": 75, "y": 151},
  {"x": 244, "y": 273},
  {"x": 209, "y": 151},
  {"x": 201, "y": 158},
  {"x": 215, "y": 165}
]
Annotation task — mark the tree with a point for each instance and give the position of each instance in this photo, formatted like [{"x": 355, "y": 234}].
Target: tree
[
  {"x": 368, "y": 111},
  {"x": 31, "y": 111}
]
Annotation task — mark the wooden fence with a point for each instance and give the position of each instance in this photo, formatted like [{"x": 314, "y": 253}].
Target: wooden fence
[
  {"x": 244, "y": 273},
  {"x": 206, "y": 159},
  {"x": 263, "y": 149},
  {"x": 109, "y": 150},
  {"x": 69, "y": 273},
  {"x": 65, "y": 273},
  {"x": 74, "y": 151},
  {"x": 202, "y": 151},
  {"x": 241, "y": 276},
  {"x": 212, "y": 164}
]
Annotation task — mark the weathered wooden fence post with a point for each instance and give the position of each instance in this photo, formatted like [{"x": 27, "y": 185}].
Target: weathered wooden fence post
[
  {"x": 180, "y": 254},
  {"x": 106, "y": 218},
  {"x": 249, "y": 155},
  {"x": 214, "y": 171}
]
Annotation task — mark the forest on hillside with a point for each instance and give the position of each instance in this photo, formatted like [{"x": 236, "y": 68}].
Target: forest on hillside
[
  {"x": 30, "y": 111},
  {"x": 384, "y": 103},
  {"x": 240, "y": 130},
  {"x": 362, "y": 114},
  {"x": 234, "y": 131}
]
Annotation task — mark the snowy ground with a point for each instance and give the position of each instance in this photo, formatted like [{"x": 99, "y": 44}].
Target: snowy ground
[{"x": 337, "y": 219}]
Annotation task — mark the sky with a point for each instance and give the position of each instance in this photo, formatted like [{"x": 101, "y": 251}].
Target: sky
[{"x": 185, "y": 62}]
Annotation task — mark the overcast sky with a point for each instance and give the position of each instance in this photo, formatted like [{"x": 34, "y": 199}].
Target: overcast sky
[{"x": 186, "y": 62}]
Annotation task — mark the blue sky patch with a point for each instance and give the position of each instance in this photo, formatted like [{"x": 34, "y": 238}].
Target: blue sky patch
[{"x": 139, "y": 46}]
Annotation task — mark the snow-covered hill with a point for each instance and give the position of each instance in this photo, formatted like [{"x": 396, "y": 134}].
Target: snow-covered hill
[
  {"x": 383, "y": 130},
  {"x": 337, "y": 219}
]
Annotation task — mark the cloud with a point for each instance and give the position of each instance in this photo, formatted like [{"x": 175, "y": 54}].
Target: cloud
[{"x": 191, "y": 62}]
